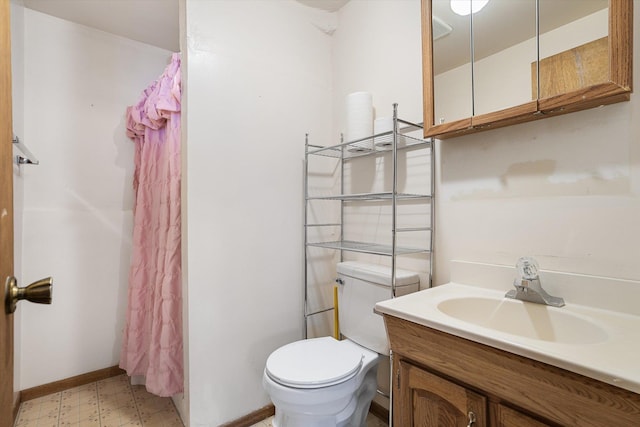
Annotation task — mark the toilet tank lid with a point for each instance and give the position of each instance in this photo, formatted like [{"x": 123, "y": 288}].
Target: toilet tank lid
[{"x": 379, "y": 274}]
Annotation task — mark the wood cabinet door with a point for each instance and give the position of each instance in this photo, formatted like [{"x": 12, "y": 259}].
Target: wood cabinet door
[
  {"x": 427, "y": 400},
  {"x": 507, "y": 417}
]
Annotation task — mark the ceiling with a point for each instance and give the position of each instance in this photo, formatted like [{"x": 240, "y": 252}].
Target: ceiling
[{"x": 154, "y": 22}]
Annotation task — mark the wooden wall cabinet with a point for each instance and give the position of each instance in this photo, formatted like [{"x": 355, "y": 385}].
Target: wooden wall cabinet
[
  {"x": 616, "y": 87},
  {"x": 439, "y": 379}
]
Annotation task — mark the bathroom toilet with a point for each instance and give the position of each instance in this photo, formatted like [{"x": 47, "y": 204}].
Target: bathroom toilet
[{"x": 323, "y": 382}]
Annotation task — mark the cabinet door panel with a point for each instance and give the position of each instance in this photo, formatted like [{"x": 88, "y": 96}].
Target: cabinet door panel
[
  {"x": 507, "y": 417},
  {"x": 427, "y": 400}
]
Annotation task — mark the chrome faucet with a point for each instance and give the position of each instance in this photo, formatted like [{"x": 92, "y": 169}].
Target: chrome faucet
[{"x": 527, "y": 285}]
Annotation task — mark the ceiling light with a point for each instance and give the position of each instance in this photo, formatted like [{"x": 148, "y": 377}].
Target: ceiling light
[{"x": 465, "y": 7}]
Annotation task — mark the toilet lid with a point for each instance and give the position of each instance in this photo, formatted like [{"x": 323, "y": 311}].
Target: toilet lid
[{"x": 313, "y": 363}]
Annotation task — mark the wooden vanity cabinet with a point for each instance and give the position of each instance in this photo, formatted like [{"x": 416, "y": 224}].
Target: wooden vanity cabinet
[
  {"x": 504, "y": 416},
  {"x": 427, "y": 399},
  {"x": 438, "y": 379}
]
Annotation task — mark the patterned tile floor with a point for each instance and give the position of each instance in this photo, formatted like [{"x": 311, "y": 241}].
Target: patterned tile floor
[
  {"x": 107, "y": 403},
  {"x": 113, "y": 402}
]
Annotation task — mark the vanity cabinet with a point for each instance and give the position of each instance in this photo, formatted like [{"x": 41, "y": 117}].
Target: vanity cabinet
[
  {"x": 441, "y": 380},
  {"x": 506, "y": 417},
  {"x": 428, "y": 399},
  {"x": 480, "y": 73}
]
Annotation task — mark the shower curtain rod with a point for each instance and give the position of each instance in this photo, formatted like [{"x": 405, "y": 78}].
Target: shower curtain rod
[{"x": 28, "y": 158}]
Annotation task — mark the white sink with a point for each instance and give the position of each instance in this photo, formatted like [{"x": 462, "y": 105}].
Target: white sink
[
  {"x": 528, "y": 320},
  {"x": 597, "y": 337}
]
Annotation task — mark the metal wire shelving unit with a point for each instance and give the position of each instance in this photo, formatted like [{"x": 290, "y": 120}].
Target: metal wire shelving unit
[{"x": 344, "y": 152}]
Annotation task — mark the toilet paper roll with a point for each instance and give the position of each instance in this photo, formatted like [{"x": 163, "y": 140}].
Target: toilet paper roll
[
  {"x": 359, "y": 120},
  {"x": 382, "y": 125}
]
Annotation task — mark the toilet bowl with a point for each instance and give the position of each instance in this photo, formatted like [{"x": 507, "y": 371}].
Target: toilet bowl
[
  {"x": 338, "y": 394},
  {"x": 323, "y": 382}
]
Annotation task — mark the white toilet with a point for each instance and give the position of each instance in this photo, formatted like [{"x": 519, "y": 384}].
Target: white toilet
[{"x": 323, "y": 382}]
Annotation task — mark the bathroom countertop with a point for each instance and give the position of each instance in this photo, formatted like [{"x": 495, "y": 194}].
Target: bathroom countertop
[{"x": 610, "y": 355}]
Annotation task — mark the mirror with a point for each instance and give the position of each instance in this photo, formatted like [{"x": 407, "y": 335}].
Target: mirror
[
  {"x": 574, "y": 47},
  {"x": 491, "y": 68},
  {"x": 453, "y": 94},
  {"x": 504, "y": 46}
]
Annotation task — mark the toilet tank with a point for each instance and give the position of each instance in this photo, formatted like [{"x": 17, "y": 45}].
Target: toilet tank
[{"x": 363, "y": 285}]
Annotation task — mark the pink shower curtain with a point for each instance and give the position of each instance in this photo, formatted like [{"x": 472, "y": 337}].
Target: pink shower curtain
[{"x": 152, "y": 341}]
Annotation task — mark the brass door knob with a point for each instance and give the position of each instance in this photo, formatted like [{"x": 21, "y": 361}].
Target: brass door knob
[{"x": 39, "y": 292}]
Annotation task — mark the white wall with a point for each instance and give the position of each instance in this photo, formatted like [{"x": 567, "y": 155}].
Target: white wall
[
  {"x": 258, "y": 78},
  {"x": 77, "y": 202},
  {"x": 375, "y": 49}
]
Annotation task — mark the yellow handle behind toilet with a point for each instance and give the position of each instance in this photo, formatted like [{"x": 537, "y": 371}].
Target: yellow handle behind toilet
[{"x": 336, "y": 324}]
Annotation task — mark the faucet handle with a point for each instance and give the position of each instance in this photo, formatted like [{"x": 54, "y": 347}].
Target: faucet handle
[{"x": 527, "y": 268}]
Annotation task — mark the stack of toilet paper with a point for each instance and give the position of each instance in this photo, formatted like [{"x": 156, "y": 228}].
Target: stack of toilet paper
[
  {"x": 361, "y": 124},
  {"x": 359, "y": 120},
  {"x": 382, "y": 125}
]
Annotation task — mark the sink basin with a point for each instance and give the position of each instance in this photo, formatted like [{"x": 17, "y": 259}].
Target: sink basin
[
  {"x": 595, "y": 334},
  {"x": 524, "y": 319}
]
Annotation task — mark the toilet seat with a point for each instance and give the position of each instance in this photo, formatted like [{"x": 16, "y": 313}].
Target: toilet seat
[{"x": 314, "y": 363}]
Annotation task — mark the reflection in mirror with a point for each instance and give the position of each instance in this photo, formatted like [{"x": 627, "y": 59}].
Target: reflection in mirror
[
  {"x": 452, "y": 91},
  {"x": 574, "y": 47},
  {"x": 577, "y": 56},
  {"x": 504, "y": 46}
]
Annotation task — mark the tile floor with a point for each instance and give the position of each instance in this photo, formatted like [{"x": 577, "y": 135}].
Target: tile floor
[
  {"x": 107, "y": 403},
  {"x": 113, "y": 402}
]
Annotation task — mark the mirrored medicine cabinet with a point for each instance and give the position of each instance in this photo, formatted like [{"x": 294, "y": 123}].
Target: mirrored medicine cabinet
[{"x": 514, "y": 61}]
